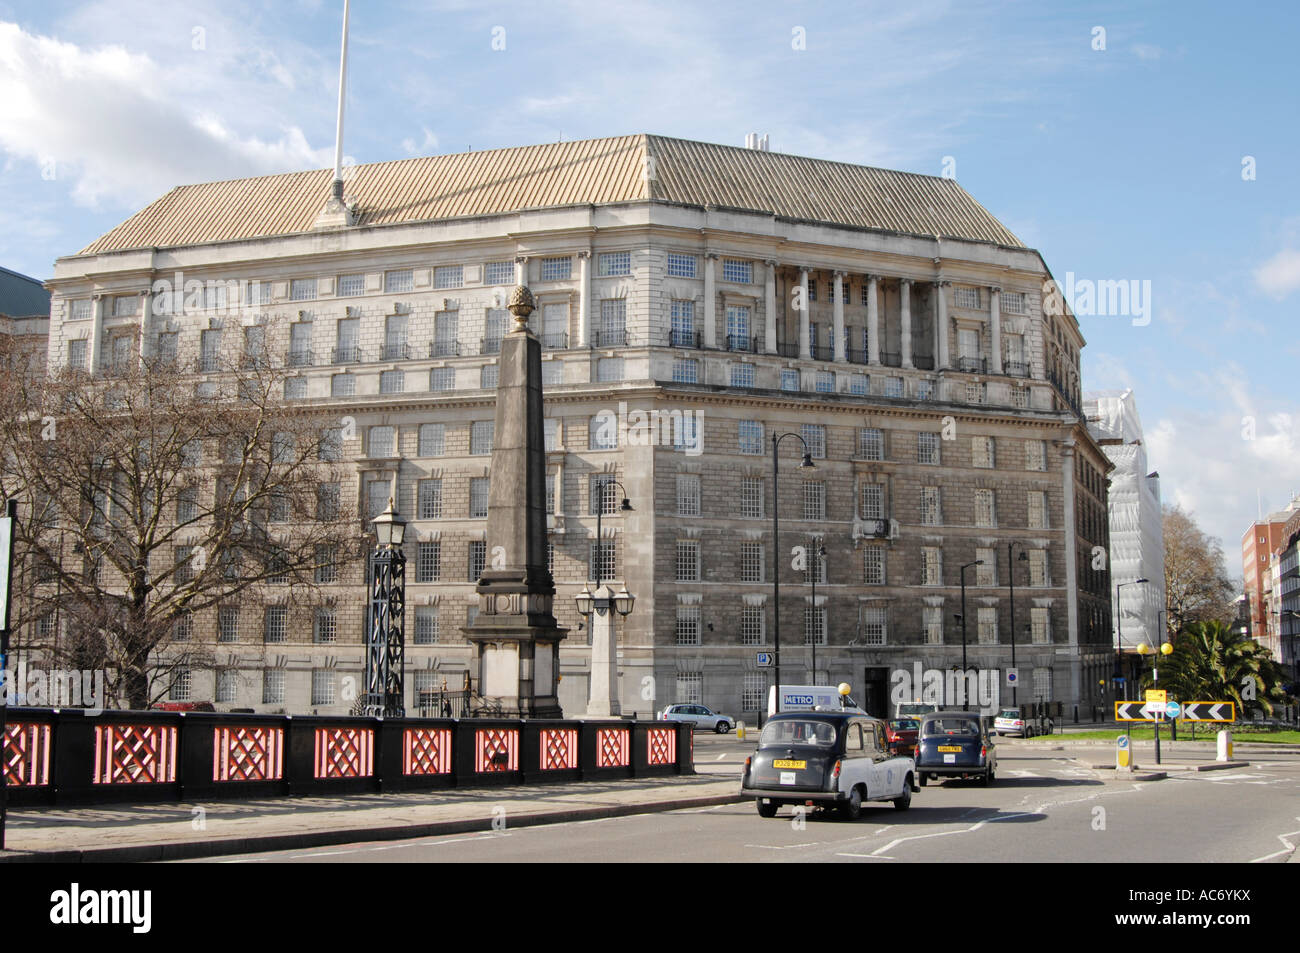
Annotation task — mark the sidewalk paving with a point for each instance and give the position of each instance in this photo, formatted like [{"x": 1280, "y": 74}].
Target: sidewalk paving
[{"x": 179, "y": 830}]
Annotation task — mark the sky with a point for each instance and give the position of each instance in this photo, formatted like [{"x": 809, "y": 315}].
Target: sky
[{"x": 1149, "y": 143}]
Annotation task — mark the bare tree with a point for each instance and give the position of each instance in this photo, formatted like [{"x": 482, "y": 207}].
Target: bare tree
[
  {"x": 152, "y": 493},
  {"x": 1197, "y": 585}
]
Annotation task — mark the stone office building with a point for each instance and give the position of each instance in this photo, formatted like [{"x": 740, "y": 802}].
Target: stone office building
[{"x": 694, "y": 300}]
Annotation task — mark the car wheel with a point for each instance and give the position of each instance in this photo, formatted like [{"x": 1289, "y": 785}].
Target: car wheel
[
  {"x": 721, "y": 728},
  {"x": 851, "y": 809},
  {"x": 923, "y": 780},
  {"x": 904, "y": 801},
  {"x": 986, "y": 778},
  {"x": 765, "y": 810}
]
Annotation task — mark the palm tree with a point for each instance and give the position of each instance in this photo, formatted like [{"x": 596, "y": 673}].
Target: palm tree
[{"x": 1211, "y": 662}]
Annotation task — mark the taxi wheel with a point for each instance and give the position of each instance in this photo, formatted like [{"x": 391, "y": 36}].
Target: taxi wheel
[
  {"x": 923, "y": 779},
  {"x": 904, "y": 801},
  {"x": 986, "y": 778},
  {"x": 765, "y": 810},
  {"x": 851, "y": 809}
]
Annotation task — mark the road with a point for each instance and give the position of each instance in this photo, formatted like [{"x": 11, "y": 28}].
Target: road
[{"x": 1043, "y": 808}]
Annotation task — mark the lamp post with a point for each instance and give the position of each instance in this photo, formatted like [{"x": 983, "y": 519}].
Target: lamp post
[
  {"x": 1165, "y": 649},
  {"x": 965, "y": 683},
  {"x": 1011, "y": 582},
  {"x": 1119, "y": 629},
  {"x": 386, "y": 643},
  {"x": 603, "y": 701},
  {"x": 624, "y": 507},
  {"x": 815, "y": 552},
  {"x": 8, "y": 525},
  {"x": 805, "y": 464}
]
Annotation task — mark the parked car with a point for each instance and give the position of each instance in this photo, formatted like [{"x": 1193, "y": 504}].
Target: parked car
[
  {"x": 183, "y": 706},
  {"x": 901, "y": 734},
  {"x": 955, "y": 744},
  {"x": 826, "y": 759},
  {"x": 1011, "y": 722},
  {"x": 700, "y": 716}
]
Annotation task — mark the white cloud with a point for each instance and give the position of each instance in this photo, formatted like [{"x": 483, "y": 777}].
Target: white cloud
[
  {"x": 1280, "y": 275},
  {"x": 426, "y": 146},
  {"x": 1146, "y": 51}
]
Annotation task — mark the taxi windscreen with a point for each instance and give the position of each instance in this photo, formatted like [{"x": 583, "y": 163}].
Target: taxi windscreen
[
  {"x": 794, "y": 732},
  {"x": 950, "y": 726}
]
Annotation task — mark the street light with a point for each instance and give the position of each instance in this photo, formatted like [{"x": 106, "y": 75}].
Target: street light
[
  {"x": 1011, "y": 581},
  {"x": 386, "y": 642},
  {"x": 602, "y": 699},
  {"x": 1165, "y": 649},
  {"x": 815, "y": 551},
  {"x": 1119, "y": 630},
  {"x": 965, "y": 682},
  {"x": 586, "y": 597},
  {"x": 805, "y": 464}
]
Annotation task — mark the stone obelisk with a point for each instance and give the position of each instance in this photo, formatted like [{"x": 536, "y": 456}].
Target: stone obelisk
[{"x": 515, "y": 635}]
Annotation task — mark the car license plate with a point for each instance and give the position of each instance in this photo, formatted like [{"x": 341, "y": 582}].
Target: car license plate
[
  {"x": 949, "y": 747},
  {"x": 950, "y": 759},
  {"x": 790, "y": 764},
  {"x": 787, "y": 777}
]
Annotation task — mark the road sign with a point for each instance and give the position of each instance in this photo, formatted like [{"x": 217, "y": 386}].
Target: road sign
[
  {"x": 1012, "y": 676},
  {"x": 1173, "y": 709},
  {"x": 1122, "y": 741},
  {"x": 1209, "y": 711},
  {"x": 1133, "y": 711},
  {"x": 764, "y": 659},
  {"x": 1157, "y": 695}
]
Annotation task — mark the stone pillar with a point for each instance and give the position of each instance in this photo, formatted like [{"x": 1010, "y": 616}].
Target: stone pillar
[
  {"x": 769, "y": 309},
  {"x": 837, "y": 325},
  {"x": 873, "y": 319},
  {"x": 995, "y": 328},
  {"x": 96, "y": 331},
  {"x": 146, "y": 319},
  {"x": 710, "y": 301},
  {"x": 515, "y": 636},
  {"x": 521, "y": 270},
  {"x": 905, "y": 335},
  {"x": 1067, "y": 518},
  {"x": 603, "y": 695},
  {"x": 941, "y": 324},
  {"x": 584, "y": 299},
  {"x": 559, "y": 490},
  {"x": 805, "y": 347}
]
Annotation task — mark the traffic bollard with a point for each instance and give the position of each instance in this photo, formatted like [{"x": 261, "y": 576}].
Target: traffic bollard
[{"x": 1225, "y": 746}]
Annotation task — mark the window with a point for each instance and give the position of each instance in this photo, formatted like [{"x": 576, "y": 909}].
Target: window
[
  {"x": 872, "y": 501},
  {"x": 966, "y": 297},
  {"x": 209, "y": 350},
  {"x": 986, "y": 574},
  {"x": 751, "y": 498},
  {"x": 893, "y": 387},
  {"x": 1036, "y": 455},
  {"x": 1020, "y": 397},
  {"x": 812, "y": 296},
  {"x": 859, "y": 385},
  {"x": 686, "y": 371},
  {"x": 751, "y": 626},
  {"x": 378, "y": 493},
  {"x": 228, "y": 624},
  {"x": 982, "y": 452},
  {"x": 789, "y": 379},
  {"x": 974, "y": 392},
  {"x": 683, "y": 324},
  {"x": 602, "y": 497},
  {"x": 179, "y": 690},
  {"x": 77, "y": 354},
  {"x": 259, "y": 292},
  {"x": 814, "y": 625},
  {"x": 602, "y": 557},
  {"x": 550, "y": 493},
  {"x": 1012, "y": 302},
  {"x": 442, "y": 379},
  {"x": 742, "y": 375},
  {"x": 426, "y": 625},
  {"x": 1038, "y": 569},
  {"x": 446, "y": 331},
  {"x": 552, "y": 373},
  {"x": 752, "y": 561},
  {"x": 741, "y": 272},
  {"x": 81, "y": 309},
  {"x": 875, "y": 625},
  {"x": 1043, "y": 683},
  {"x": 925, "y": 390},
  {"x": 825, "y": 382},
  {"x": 351, "y": 285},
  {"x": 550, "y": 434},
  {"x": 480, "y": 437},
  {"x": 615, "y": 263},
  {"x": 931, "y": 566},
  {"x": 187, "y": 505},
  {"x": 227, "y": 686},
  {"x": 322, "y": 686},
  {"x": 932, "y": 621},
  {"x": 602, "y": 432},
  {"x": 931, "y": 515},
  {"x": 871, "y": 444},
  {"x": 327, "y": 501},
  {"x": 688, "y": 560},
  {"x": 478, "y": 498},
  {"x": 433, "y": 438},
  {"x": 987, "y": 625},
  {"x": 873, "y": 565},
  {"x": 165, "y": 350},
  {"x": 814, "y": 501},
  {"x": 688, "y": 494},
  {"x": 295, "y": 388},
  {"x": 494, "y": 329},
  {"x": 738, "y": 338},
  {"x": 750, "y": 435},
  {"x": 609, "y": 369},
  {"x": 391, "y": 382},
  {"x": 449, "y": 276},
  {"x": 273, "y": 686},
  {"x": 1037, "y": 509},
  {"x": 382, "y": 441},
  {"x": 324, "y": 629},
  {"x": 688, "y": 630},
  {"x": 1040, "y": 625},
  {"x": 681, "y": 266},
  {"x": 557, "y": 269},
  {"x": 927, "y": 448},
  {"x": 613, "y": 323},
  {"x": 343, "y": 385},
  {"x": 477, "y": 558},
  {"x": 429, "y": 499},
  {"x": 326, "y": 560},
  {"x": 428, "y": 562},
  {"x": 985, "y": 510},
  {"x": 302, "y": 289},
  {"x": 276, "y": 624},
  {"x": 488, "y": 376},
  {"x": 814, "y": 435},
  {"x": 499, "y": 273}
]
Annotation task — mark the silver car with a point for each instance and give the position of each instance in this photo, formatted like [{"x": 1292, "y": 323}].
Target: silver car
[{"x": 700, "y": 716}]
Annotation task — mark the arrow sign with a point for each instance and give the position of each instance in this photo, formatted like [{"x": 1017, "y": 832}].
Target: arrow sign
[
  {"x": 1133, "y": 711},
  {"x": 1209, "y": 711},
  {"x": 1172, "y": 709},
  {"x": 764, "y": 659}
]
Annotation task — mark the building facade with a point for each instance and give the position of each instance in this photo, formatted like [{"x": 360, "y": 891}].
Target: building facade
[
  {"x": 694, "y": 301},
  {"x": 1261, "y": 547}
]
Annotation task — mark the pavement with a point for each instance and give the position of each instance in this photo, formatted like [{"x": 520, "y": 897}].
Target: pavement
[{"x": 143, "y": 832}]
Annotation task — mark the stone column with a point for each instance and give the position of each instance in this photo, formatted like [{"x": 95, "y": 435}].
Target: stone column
[
  {"x": 805, "y": 347},
  {"x": 584, "y": 299},
  {"x": 905, "y": 335},
  {"x": 146, "y": 319},
  {"x": 521, "y": 270},
  {"x": 710, "y": 300},
  {"x": 837, "y": 325},
  {"x": 941, "y": 324},
  {"x": 995, "y": 328},
  {"x": 602, "y": 696},
  {"x": 873, "y": 319},
  {"x": 769, "y": 308},
  {"x": 96, "y": 331},
  {"x": 1067, "y": 518},
  {"x": 559, "y": 491}
]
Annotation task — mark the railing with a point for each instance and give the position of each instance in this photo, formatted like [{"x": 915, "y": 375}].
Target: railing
[
  {"x": 69, "y": 756},
  {"x": 444, "y": 348},
  {"x": 923, "y": 362},
  {"x": 555, "y": 340},
  {"x": 856, "y": 356},
  {"x": 973, "y": 365},
  {"x": 614, "y": 338},
  {"x": 489, "y": 346},
  {"x": 691, "y": 339},
  {"x": 822, "y": 352},
  {"x": 396, "y": 352},
  {"x": 891, "y": 358},
  {"x": 345, "y": 355},
  {"x": 300, "y": 358},
  {"x": 750, "y": 343},
  {"x": 1015, "y": 368},
  {"x": 787, "y": 349}
]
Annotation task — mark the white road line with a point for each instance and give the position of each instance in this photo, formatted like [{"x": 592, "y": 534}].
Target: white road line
[
  {"x": 1289, "y": 847},
  {"x": 865, "y": 856},
  {"x": 721, "y": 756}
]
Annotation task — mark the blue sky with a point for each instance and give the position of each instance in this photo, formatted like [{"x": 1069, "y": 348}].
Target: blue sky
[{"x": 1117, "y": 163}]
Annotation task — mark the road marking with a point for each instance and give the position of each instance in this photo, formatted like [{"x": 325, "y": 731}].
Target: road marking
[
  {"x": 1289, "y": 847},
  {"x": 721, "y": 756},
  {"x": 865, "y": 856}
]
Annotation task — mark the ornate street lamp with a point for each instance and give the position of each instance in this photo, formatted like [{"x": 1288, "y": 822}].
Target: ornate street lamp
[
  {"x": 1165, "y": 649},
  {"x": 603, "y": 695},
  {"x": 386, "y": 641},
  {"x": 805, "y": 464}
]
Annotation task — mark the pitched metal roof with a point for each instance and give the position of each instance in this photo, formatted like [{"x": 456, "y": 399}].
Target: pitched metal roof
[
  {"x": 555, "y": 175},
  {"x": 22, "y": 297}
]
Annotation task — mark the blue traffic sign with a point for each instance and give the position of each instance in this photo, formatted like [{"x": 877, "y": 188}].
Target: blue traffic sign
[
  {"x": 1122, "y": 741},
  {"x": 764, "y": 659},
  {"x": 1173, "y": 709}
]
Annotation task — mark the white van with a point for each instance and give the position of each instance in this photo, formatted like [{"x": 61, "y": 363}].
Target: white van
[{"x": 810, "y": 698}]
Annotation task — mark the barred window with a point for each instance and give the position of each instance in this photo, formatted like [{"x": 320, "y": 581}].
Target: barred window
[
  {"x": 609, "y": 369},
  {"x": 742, "y": 375},
  {"x": 974, "y": 392},
  {"x": 428, "y": 562},
  {"x": 982, "y": 451},
  {"x": 751, "y": 498},
  {"x": 825, "y": 382},
  {"x": 682, "y": 333},
  {"x": 925, "y": 389},
  {"x": 987, "y": 623},
  {"x": 871, "y": 444},
  {"x": 302, "y": 289},
  {"x": 932, "y": 620},
  {"x": 499, "y": 273},
  {"x": 814, "y": 625},
  {"x": 789, "y": 379},
  {"x": 322, "y": 686},
  {"x": 752, "y": 561},
  {"x": 690, "y": 688},
  {"x": 478, "y": 498},
  {"x": 750, "y": 435},
  {"x": 872, "y": 501},
  {"x": 753, "y": 690},
  {"x": 1043, "y": 683},
  {"x": 966, "y": 297},
  {"x": 859, "y": 384},
  {"x": 477, "y": 558},
  {"x": 351, "y": 285},
  {"x": 429, "y": 502},
  {"x": 615, "y": 263},
  {"x": 931, "y": 566},
  {"x": 1037, "y": 509},
  {"x": 1040, "y": 625},
  {"x": 552, "y": 373},
  {"x": 228, "y": 624},
  {"x": 688, "y": 494},
  {"x": 688, "y": 628},
  {"x": 814, "y": 436},
  {"x": 442, "y": 379},
  {"x": 873, "y": 565},
  {"x": 326, "y": 561},
  {"x": 277, "y": 624},
  {"x": 681, "y": 266},
  {"x": 382, "y": 441},
  {"x": 295, "y": 388},
  {"x": 875, "y": 625},
  {"x": 602, "y": 496},
  {"x": 327, "y": 501},
  {"x": 1038, "y": 568},
  {"x": 273, "y": 686},
  {"x": 426, "y": 625},
  {"x": 985, "y": 508},
  {"x": 1036, "y": 455},
  {"x": 391, "y": 382},
  {"x": 927, "y": 448},
  {"x": 480, "y": 437},
  {"x": 227, "y": 686},
  {"x": 602, "y": 432},
  {"x": 343, "y": 385},
  {"x": 931, "y": 514},
  {"x": 1012, "y": 302},
  {"x": 182, "y": 628},
  {"x": 77, "y": 353},
  {"x": 688, "y": 560},
  {"x": 557, "y": 269},
  {"x": 741, "y": 272},
  {"x": 1020, "y": 397},
  {"x": 752, "y": 625},
  {"x": 686, "y": 371},
  {"x": 449, "y": 276},
  {"x": 401, "y": 281},
  {"x": 433, "y": 439},
  {"x": 814, "y": 501},
  {"x": 986, "y": 574},
  {"x": 602, "y": 555},
  {"x": 179, "y": 690},
  {"x": 893, "y": 387}
]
